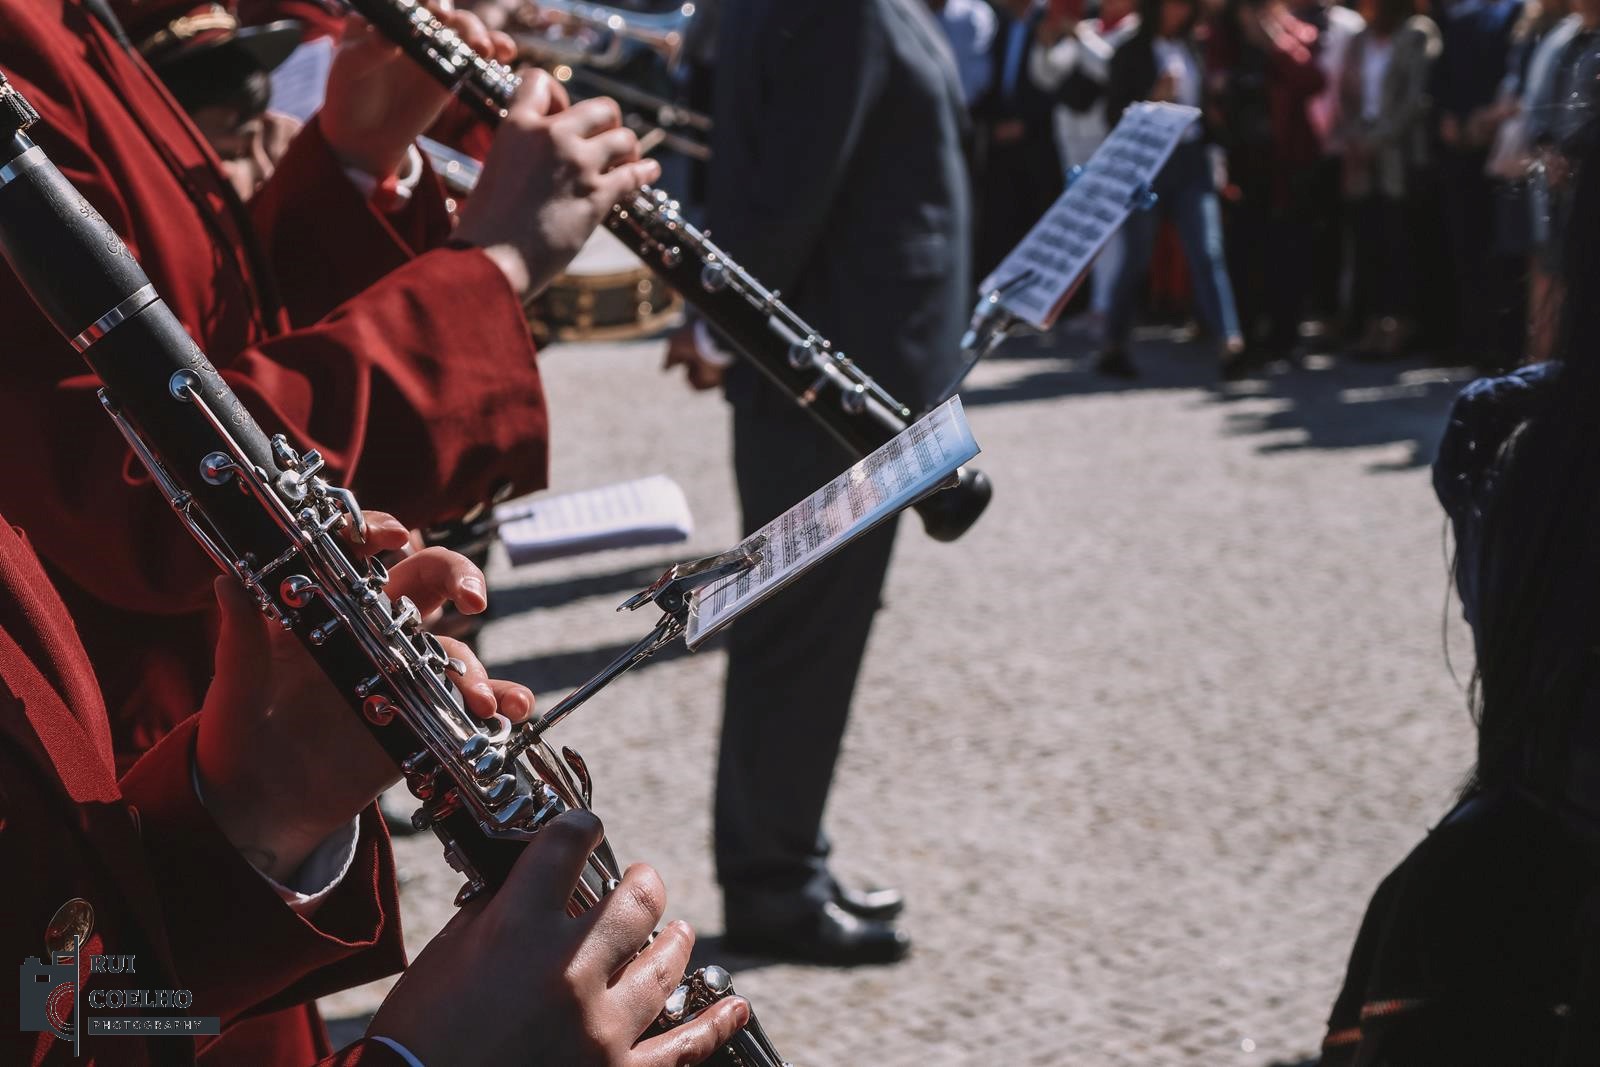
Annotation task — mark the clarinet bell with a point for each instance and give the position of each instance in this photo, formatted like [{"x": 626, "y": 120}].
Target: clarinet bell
[{"x": 949, "y": 513}]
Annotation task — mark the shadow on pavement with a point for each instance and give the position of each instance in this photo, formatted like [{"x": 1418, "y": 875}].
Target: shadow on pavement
[
  {"x": 1326, "y": 403},
  {"x": 1333, "y": 403},
  {"x": 562, "y": 671}
]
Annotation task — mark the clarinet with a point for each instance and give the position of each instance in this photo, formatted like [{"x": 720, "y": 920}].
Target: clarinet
[
  {"x": 788, "y": 351},
  {"x": 263, "y": 512}
]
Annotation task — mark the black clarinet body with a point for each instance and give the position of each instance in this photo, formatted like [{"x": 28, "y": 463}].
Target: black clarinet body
[
  {"x": 265, "y": 514},
  {"x": 855, "y": 410}
]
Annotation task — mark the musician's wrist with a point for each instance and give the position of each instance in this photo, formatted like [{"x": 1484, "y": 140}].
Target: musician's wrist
[
  {"x": 267, "y": 825},
  {"x": 513, "y": 263},
  {"x": 392, "y": 192}
]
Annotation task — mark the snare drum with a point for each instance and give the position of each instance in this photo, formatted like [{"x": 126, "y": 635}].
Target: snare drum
[{"x": 605, "y": 294}]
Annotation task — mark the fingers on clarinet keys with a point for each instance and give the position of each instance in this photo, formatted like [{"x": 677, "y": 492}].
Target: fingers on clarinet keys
[{"x": 698, "y": 992}]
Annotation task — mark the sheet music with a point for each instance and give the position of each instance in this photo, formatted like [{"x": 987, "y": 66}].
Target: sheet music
[
  {"x": 647, "y": 511},
  {"x": 894, "y": 477},
  {"x": 1063, "y": 243},
  {"x": 301, "y": 81}
]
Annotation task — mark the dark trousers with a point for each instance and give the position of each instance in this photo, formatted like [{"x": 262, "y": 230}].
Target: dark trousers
[
  {"x": 1269, "y": 237},
  {"x": 792, "y": 666},
  {"x": 1187, "y": 195},
  {"x": 1018, "y": 185},
  {"x": 1487, "y": 284},
  {"x": 1382, "y": 282},
  {"x": 1327, "y": 222}
]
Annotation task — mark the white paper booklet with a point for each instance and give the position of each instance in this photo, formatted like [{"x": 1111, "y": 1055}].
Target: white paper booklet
[
  {"x": 1037, "y": 278},
  {"x": 301, "y": 81},
  {"x": 649, "y": 511},
  {"x": 903, "y": 471}
]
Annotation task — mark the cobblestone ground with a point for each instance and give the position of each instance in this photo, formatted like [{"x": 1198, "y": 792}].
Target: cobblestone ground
[{"x": 1139, "y": 747}]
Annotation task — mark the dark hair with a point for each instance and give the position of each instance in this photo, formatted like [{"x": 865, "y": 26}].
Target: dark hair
[
  {"x": 1539, "y": 566},
  {"x": 225, "y": 76}
]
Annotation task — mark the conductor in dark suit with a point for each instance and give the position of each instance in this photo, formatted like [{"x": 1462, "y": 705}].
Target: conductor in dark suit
[{"x": 838, "y": 177}]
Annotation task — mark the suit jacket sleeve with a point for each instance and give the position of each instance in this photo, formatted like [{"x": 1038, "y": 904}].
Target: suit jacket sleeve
[
  {"x": 450, "y": 403},
  {"x": 237, "y": 946},
  {"x": 813, "y": 77}
]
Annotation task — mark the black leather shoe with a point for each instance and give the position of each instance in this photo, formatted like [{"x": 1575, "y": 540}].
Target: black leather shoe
[
  {"x": 828, "y": 935},
  {"x": 880, "y": 905}
]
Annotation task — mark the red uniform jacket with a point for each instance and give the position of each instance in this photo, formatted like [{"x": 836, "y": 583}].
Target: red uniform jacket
[
  {"x": 165, "y": 885},
  {"x": 413, "y": 374}
]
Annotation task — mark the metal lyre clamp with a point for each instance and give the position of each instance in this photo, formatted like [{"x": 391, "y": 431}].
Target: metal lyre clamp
[
  {"x": 1143, "y": 198},
  {"x": 992, "y": 322},
  {"x": 672, "y": 593},
  {"x": 672, "y": 590}
]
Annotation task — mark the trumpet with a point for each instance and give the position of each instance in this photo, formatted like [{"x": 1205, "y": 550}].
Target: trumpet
[{"x": 613, "y": 30}]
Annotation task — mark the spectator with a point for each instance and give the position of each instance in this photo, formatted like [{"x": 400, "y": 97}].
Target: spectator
[
  {"x": 1476, "y": 41},
  {"x": 1071, "y": 60},
  {"x": 1384, "y": 129},
  {"x": 971, "y": 26},
  {"x": 1160, "y": 63},
  {"x": 1020, "y": 175},
  {"x": 1264, "y": 75},
  {"x": 1523, "y": 225},
  {"x": 1561, "y": 87},
  {"x": 1336, "y": 27}
]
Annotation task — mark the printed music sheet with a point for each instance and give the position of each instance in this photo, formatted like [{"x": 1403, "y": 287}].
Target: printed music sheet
[
  {"x": 301, "y": 81},
  {"x": 645, "y": 511},
  {"x": 1037, "y": 278},
  {"x": 906, "y": 469}
]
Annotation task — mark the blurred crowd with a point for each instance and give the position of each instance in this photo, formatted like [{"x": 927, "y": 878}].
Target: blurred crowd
[{"x": 1380, "y": 179}]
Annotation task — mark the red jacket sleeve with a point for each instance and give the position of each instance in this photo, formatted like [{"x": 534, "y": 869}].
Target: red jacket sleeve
[
  {"x": 234, "y": 942},
  {"x": 422, "y": 392},
  {"x": 325, "y": 240}
]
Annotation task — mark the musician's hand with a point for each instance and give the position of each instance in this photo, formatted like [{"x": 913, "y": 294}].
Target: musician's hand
[
  {"x": 282, "y": 759},
  {"x": 683, "y": 351},
  {"x": 551, "y": 177},
  {"x": 379, "y": 101},
  {"x": 514, "y": 979}
]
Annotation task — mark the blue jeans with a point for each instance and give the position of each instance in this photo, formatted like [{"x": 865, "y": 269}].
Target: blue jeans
[{"x": 1188, "y": 198}]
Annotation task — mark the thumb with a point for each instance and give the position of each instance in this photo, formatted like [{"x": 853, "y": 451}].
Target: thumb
[
  {"x": 534, "y": 96},
  {"x": 243, "y": 661}
]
